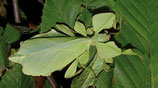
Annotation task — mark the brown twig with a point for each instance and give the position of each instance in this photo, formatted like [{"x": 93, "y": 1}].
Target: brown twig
[
  {"x": 16, "y": 11},
  {"x": 51, "y": 82},
  {"x": 41, "y": 1}
]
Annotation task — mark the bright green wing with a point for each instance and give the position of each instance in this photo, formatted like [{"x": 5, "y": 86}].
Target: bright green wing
[{"x": 45, "y": 60}]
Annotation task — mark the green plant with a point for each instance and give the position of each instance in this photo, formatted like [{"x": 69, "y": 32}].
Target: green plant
[
  {"x": 52, "y": 51},
  {"x": 79, "y": 36}
]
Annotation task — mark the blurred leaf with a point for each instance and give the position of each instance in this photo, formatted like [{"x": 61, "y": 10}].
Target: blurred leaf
[
  {"x": 103, "y": 21},
  {"x": 80, "y": 28},
  {"x": 64, "y": 11},
  {"x": 23, "y": 29},
  {"x": 93, "y": 3},
  {"x": 50, "y": 58},
  {"x": 3, "y": 55},
  {"x": 47, "y": 84},
  {"x": 65, "y": 29},
  {"x": 11, "y": 35},
  {"x": 86, "y": 17},
  {"x": 140, "y": 31},
  {"x": 1, "y": 31},
  {"x": 3, "y": 11},
  {"x": 111, "y": 4},
  {"x": 14, "y": 78},
  {"x": 131, "y": 72},
  {"x": 22, "y": 14},
  {"x": 117, "y": 82},
  {"x": 35, "y": 30},
  {"x": 104, "y": 80}
]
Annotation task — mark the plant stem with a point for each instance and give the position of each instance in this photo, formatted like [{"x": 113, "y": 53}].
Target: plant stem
[
  {"x": 41, "y": 1},
  {"x": 51, "y": 82},
  {"x": 16, "y": 11}
]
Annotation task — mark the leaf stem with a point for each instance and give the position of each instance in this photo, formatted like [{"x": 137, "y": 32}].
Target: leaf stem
[{"x": 51, "y": 82}]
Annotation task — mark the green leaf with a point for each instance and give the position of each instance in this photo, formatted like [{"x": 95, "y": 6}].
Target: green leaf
[
  {"x": 103, "y": 21},
  {"x": 1, "y": 30},
  {"x": 104, "y": 80},
  {"x": 11, "y": 35},
  {"x": 65, "y": 29},
  {"x": 22, "y": 29},
  {"x": 47, "y": 85},
  {"x": 93, "y": 3},
  {"x": 64, "y": 11},
  {"x": 22, "y": 14},
  {"x": 138, "y": 65},
  {"x": 3, "y": 55},
  {"x": 14, "y": 78},
  {"x": 132, "y": 72},
  {"x": 88, "y": 77},
  {"x": 140, "y": 31},
  {"x": 111, "y": 4},
  {"x": 80, "y": 28},
  {"x": 86, "y": 17},
  {"x": 108, "y": 50},
  {"x": 71, "y": 70},
  {"x": 50, "y": 58}
]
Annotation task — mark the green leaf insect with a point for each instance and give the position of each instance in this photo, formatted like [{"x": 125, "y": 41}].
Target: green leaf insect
[{"x": 52, "y": 51}]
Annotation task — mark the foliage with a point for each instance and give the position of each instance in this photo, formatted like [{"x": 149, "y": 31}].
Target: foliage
[
  {"x": 16, "y": 79},
  {"x": 77, "y": 36}
]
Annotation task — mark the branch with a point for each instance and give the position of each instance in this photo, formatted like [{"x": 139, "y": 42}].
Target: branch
[{"x": 16, "y": 11}]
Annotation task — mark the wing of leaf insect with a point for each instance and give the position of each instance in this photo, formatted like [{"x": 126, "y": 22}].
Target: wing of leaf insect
[
  {"x": 80, "y": 28},
  {"x": 108, "y": 60},
  {"x": 35, "y": 45},
  {"x": 52, "y": 33},
  {"x": 71, "y": 70},
  {"x": 84, "y": 58},
  {"x": 16, "y": 58},
  {"x": 106, "y": 67},
  {"x": 100, "y": 38},
  {"x": 65, "y": 29},
  {"x": 90, "y": 31},
  {"x": 103, "y": 21},
  {"x": 107, "y": 50},
  {"x": 49, "y": 59},
  {"x": 129, "y": 52}
]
